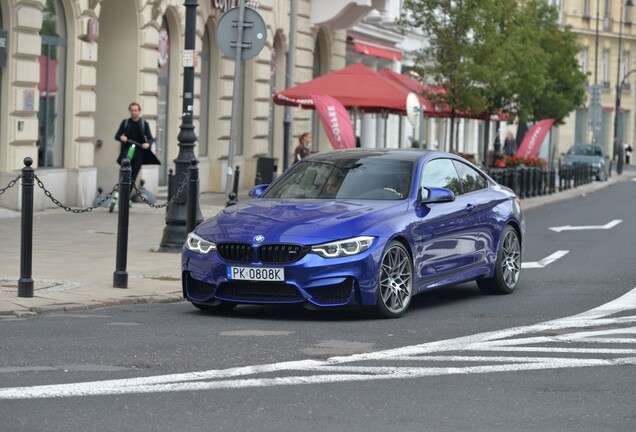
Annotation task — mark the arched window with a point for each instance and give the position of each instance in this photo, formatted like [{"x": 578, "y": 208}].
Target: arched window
[{"x": 51, "y": 86}]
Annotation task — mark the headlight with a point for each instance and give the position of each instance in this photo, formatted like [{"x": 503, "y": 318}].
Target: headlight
[
  {"x": 198, "y": 245},
  {"x": 343, "y": 248}
]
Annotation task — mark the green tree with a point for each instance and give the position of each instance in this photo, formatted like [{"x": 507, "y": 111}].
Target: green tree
[
  {"x": 448, "y": 25},
  {"x": 564, "y": 82},
  {"x": 498, "y": 55}
]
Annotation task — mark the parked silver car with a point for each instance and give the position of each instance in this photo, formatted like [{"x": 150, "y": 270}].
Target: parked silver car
[{"x": 591, "y": 154}]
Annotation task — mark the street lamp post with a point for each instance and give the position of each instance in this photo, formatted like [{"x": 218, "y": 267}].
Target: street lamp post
[
  {"x": 289, "y": 82},
  {"x": 619, "y": 82},
  {"x": 174, "y": 233}
]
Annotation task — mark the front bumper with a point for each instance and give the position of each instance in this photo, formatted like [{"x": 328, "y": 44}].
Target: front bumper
[{"x": 317, "y": 281}]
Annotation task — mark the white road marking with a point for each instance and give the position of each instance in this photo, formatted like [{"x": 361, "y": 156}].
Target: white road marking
[
  {"x": 545, "y": 261},
  {"x": 607, "y": 226},
  {"x": 551, "y": 336}
]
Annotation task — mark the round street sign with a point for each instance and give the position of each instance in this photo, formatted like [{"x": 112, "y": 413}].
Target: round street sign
[{"x": 254, "y": 33}]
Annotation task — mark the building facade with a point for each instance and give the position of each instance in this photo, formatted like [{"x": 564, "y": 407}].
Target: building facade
[
  {"x": 70, "y": 68},
  {"x": 606, "y": 33}
]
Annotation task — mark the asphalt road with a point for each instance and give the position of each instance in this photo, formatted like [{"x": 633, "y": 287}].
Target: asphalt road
[{"x": 549, "y": 357}]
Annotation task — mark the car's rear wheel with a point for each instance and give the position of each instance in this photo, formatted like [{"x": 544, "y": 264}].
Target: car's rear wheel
[
  {"x": 396, "y": 281},
  {"x": 507, "y": 266},
  {"x": 221, "y": 306}
]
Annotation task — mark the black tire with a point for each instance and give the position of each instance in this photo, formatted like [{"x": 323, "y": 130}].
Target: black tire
[
  {"x": 507, "y": 266},
  {"x": 395, "y": 284},
  {"x": 219, "y": 307}
]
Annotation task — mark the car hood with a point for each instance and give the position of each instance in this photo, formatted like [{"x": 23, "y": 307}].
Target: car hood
[{"x": 298, "y": 221}]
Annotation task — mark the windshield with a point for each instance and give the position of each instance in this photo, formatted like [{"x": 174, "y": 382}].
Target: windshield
[
  {"x": 351, "y": 178},
  {"x": 583, "y": 150}
]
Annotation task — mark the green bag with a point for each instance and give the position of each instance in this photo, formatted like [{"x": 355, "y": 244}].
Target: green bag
[{"x": 131, "y": 152}]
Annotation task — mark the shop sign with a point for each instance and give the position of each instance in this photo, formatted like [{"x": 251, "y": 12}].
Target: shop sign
[{"x": 225, "y": 5}]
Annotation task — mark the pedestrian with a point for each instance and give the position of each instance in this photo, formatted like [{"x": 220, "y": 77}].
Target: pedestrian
[
  {"x": 620, "y": 157},
  {"x": 510, "y": 145},
  {"x": 302, "y": 150},
  {"x": 135, "y": 129},
  {"x": 628, "y": 153}
]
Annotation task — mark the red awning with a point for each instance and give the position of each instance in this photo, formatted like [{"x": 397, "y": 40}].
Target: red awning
[
  {"x": 411, "y": 85},
  {"x": 376, "y": 49},
  {"x": 355, "y": 86}
]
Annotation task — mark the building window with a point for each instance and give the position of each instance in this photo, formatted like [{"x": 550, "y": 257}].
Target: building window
[
  {"x": 586, "y": 8},
  {"x": 605, "y": 67},
  {"x": 583, "y": 60},
  {"x": 608, "y": 8},
  {"x": 51, "y": 86}
]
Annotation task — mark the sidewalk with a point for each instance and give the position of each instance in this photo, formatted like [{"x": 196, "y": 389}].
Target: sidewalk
[{"x": 74, "y": 255}]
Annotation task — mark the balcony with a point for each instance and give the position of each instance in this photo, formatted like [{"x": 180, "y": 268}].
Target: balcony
[{"x": 341, "y": 14}]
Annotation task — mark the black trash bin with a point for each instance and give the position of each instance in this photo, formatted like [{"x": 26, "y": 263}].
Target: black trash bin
[{"x": 266, "y": 170}]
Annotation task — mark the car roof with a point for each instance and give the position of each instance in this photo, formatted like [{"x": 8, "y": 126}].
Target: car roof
[
  {"x": 586, "y": 145},
  {"x": 406, "y": 154}
]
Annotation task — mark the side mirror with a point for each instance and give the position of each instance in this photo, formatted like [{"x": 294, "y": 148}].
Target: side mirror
[
  {"x": 433, "y": 195},
  {"x": 257, "y": 190}
]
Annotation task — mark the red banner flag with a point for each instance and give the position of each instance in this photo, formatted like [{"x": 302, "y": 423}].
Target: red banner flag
[
  {"x": 336, "y": 121},
  {"x": 531, "y": 144}
]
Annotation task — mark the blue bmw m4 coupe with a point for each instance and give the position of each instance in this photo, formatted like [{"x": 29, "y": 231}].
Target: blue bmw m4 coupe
[{"x": 358, "y": 228}]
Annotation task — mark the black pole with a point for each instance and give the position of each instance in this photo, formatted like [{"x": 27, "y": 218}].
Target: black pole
[
  {"x": 237, "y": 175},
  {"x": 288, "y": 83},
  {"x": 25, "y": 283},
  {"x": 619, "y": 83},
  {"x": 596, "y": 44},
  {"x": 193, "y": 193},
  {"x": 174, "y": 233},
  {"x": 120, "y": 276}
]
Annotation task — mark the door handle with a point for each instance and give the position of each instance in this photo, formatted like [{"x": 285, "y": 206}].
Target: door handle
[{"x": 471, "y": 207}]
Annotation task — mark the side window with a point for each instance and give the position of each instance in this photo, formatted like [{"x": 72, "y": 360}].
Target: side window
[
  {"x": 471, "y": 180},
  {"x": 441, "y": 173}
]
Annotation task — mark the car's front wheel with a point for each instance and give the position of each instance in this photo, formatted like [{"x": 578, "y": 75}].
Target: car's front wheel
[
  {"x": 507, "y": 266},
  {"x": 395, "y": 283}
]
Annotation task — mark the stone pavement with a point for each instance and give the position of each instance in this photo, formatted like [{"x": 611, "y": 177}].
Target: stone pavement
[{"x": 74, "y": 255}]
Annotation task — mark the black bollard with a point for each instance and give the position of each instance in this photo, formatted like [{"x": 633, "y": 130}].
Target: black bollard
[
  {"x": 193, "y": 194},
  {"x": 237, "y": 174},
  {"x": 231, "y": 199},
  {"x": 120, "y": 276},
  {"x": 25, "y": 283}
]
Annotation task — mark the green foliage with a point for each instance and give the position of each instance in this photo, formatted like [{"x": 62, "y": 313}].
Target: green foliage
[{"x": 492, "y": 55}]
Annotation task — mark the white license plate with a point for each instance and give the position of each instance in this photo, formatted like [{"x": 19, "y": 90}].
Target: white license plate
[{"x": 269, "y": 274}]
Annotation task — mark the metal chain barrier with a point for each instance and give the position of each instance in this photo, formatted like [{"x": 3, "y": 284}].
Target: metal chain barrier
[
  {"x": 102, "y": 201},
  {"x": 70, "y": 209},
  {"x": 169, "y": 202},
  {"x": 11, "y": 184}
]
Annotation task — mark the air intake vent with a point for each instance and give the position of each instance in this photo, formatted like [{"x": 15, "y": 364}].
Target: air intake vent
[
  {"x": 258, "y": 291},
  {"x": 281, "y": 253},
  {"x": 237, "y": 252}
]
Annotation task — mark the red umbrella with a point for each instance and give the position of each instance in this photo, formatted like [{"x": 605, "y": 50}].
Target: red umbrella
[
  {"x": 355, "y": 86},
  {"x": 411, "y": 85},
  {"x": 432, "y": 110}
]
